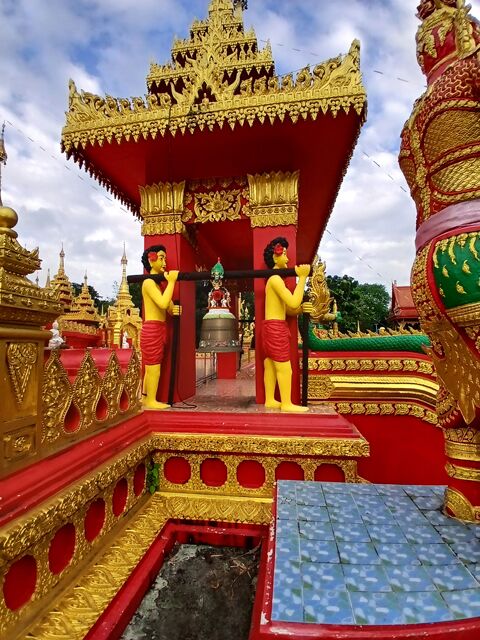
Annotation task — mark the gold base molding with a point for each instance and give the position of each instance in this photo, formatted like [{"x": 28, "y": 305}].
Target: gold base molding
[
  {"x": 462, "y": 473},
  {"x": 258, "y": 445},
  {"x": 384, "y": 409},
  {"x": 460, "y": 506},
  {"x": 78, "y": 608},
  {"x": 463, "y": 450}
]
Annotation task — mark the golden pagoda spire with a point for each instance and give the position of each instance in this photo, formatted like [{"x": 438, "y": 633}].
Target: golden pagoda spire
[
  {"x": 62, "y": 285},
  {"x": 123, "y": 313},
  {"x": 61, "y": 268},
  {"x": 3, "y": 159},
  {"x": 47, "y": 282},
  {"x": 83, "y": 308}
]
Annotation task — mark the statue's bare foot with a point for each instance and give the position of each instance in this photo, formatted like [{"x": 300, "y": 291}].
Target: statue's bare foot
[
  {"x": 293, "y": 408},
  {"x": 273, "y": 404},
  {"x": 153, "y": 404}
]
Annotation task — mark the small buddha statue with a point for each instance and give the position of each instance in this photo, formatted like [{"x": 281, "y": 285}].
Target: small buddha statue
[{"x": 56, "y": 341}]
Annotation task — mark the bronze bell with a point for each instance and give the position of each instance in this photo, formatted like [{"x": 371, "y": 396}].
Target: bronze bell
[{"x": 219, "y": 332}]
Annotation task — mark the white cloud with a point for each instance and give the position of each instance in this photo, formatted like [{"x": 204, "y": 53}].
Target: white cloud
[{"x": 106, "y": 47}]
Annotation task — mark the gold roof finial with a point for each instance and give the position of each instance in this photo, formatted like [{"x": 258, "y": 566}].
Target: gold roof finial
[
  {"x": 61, "y": 266},
  {"x": 3, "y": 158},
  {"x": 47, "y": 283}
]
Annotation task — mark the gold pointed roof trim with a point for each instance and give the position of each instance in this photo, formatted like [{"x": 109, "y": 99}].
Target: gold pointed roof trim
[{"x": 331, "y": 87}]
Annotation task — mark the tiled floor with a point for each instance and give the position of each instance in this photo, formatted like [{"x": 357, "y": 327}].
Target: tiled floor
[
  {"x": 237, "y": 396},
  {"x": 372, "y": 555}
]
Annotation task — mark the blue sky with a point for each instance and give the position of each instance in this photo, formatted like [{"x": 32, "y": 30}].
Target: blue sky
[{"x": 106, "y": 46}]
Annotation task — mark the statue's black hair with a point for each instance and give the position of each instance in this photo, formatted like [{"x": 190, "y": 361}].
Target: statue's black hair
[
  {"x": 268, "y": 253},
  {"x": 154, "y": 248}
]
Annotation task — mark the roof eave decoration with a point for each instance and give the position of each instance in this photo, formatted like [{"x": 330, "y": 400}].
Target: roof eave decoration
[
  {"x": 217, "y": 77},
  {"x": 334, "y": 85}
]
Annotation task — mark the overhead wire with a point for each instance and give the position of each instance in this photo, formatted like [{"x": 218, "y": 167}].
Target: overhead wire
[{"x": 169, "y": 154}]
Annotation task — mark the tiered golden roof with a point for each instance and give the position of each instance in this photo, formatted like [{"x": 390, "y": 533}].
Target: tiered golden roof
[
  {"x": 21, "y": 301},
  {"x": 217, "y": 76},
  {"x": 83, "y": 309},
  {"x": 61, "y": 285},
  {"x": 123, "y": 316}
]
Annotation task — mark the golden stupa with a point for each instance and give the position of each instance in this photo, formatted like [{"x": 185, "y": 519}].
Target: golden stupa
[{"x": 123, "y": 318}]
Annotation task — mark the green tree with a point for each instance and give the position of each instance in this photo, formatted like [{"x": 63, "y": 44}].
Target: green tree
[
  {"x": 365, "y": 305},
  {"x": 136, "y": 293},
  {"x": 345, "y": 291},
  {"x": 373, "y": 306}
]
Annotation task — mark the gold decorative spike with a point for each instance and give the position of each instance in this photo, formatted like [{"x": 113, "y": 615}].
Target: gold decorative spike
[
  {"x": 451, "y": 251},
  {"x": 445, "y": 271},
  {"x": 441, "y": 292},
  {"x": 466, "y": 267},
  {"x": 21, "y": 358},
  {"x": 471, "y": 246},
  {"x": 459, "y": 288}
]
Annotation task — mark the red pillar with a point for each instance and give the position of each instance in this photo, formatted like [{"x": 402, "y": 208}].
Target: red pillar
[
  {"x": 180, "y": 255},
  {"x": 261, "y": 237}
]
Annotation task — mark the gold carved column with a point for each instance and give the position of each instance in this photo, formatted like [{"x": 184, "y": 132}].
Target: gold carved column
[
  {"x": 162, "y": 208},
  {"x": 273, "y": 199},
  {"x": 24, "y": 308}
]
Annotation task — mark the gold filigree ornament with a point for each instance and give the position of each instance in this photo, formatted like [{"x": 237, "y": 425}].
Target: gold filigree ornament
[
  {"x": 57, "y": 395},
  {"x": 217, "y": 206},
  {"x": 21, "y": 358},
  {"x": 459, "y": 372},
  {"x": 319, "y": 293},
  {"x": 460, "y": 506}
]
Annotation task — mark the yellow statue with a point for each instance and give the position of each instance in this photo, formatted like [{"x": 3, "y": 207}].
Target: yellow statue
[
  {"x": 280, "y": 302},
  {"x": 153, "y": 336}
]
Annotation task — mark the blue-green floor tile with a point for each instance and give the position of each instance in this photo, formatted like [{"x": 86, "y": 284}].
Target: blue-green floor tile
[
  {"x": 318, "y": 551},
  {"x": 457, "y": 533},
  {"x": 364, "y": 577},
  {"x": 351, "y": 532},
  {"x": 423, "y": 534},
  {"x": 328, "y": 607},
  {"x": 464, "y": 603},
  {"x": 386, "y": 533},
  {"x": 409, "y": 578},
  {"x": 452, "y": 577},
  {"x": 377, "y": 608},
  {"x": 358, "y": 553},
  {"x": 397, "y": 554},
  {"x": 311, "y": 513},
  {"x": 322, "y": 577},
  {"x": 316, "y": 530},
  {"x": 435, "y": 554},
  {"x": 468, "y": 552}
]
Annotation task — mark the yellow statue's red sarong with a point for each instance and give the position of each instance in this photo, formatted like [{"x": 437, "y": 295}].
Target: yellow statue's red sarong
[
  {"x": 276, "y": 340},
  {"x": 153, "y": 338}
]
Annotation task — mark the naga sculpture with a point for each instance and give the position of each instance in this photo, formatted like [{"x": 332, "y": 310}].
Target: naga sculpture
[{"x": 440, "y": 157}]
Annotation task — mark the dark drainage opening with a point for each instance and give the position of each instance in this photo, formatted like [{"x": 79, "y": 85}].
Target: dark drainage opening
[{"x": 205, "y": 589}]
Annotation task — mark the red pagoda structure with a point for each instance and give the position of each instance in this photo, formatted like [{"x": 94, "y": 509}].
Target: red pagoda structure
[
  {"x": 403, "y": 310},
  {"x": 218, "y": 158},
  {"x": 222, "y": 154}
]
